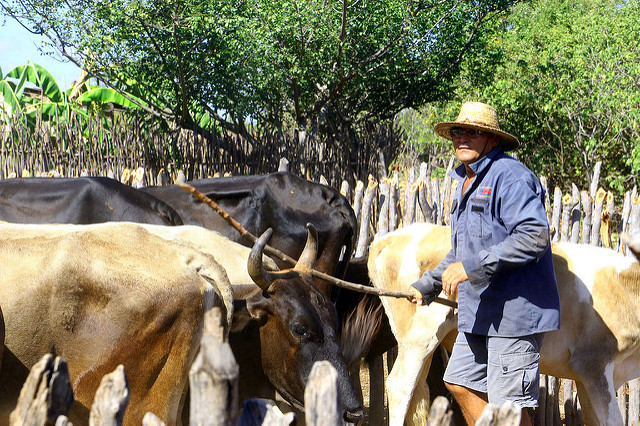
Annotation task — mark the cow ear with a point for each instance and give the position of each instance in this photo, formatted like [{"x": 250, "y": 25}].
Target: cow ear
[{"x": 248, "y": 313}]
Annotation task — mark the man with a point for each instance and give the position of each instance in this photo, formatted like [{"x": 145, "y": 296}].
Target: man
[{"x": 501, "y": 266}]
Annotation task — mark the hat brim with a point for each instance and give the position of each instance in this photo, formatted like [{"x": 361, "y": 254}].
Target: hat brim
[{"x": 508, "y": 143}]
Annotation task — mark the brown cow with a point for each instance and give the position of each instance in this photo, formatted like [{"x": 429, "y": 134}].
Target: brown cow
[
  {"x": 100, "y": 296},
  {"x": 598, "y": 344},
  {"x": 282, "y": 323}
]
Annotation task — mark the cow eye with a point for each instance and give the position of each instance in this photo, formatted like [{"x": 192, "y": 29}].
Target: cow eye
[{"x": 299, "y": 331}]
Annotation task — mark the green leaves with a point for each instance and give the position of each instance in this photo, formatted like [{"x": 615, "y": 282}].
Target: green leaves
[
  {"x": 312, "y": 64},
  {"x": 30, "y": 92},
  {"x": 9, "y": 103},
  {"x": 40, "y": 77},
  {"x": 568, "y": 86},
  {"x": 103, "y": 95}
]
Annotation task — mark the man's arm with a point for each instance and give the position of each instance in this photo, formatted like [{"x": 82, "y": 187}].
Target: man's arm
[
  {"x": 428, "y": 287},
  {"x": 525, "y": 220}
]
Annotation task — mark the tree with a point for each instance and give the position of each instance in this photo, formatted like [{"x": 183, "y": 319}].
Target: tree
[
  {"x": 307, "y": 67},
  {"x": 47, "y": 102},
  {"x": 569, "y": 87},
  {"x": 421, "y": 143}
]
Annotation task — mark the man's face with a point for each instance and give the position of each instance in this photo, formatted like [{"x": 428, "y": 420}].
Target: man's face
[{"x": 471, "y": 145}]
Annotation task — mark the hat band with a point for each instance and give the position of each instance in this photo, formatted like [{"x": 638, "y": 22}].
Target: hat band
[{"x": 477, "y": 123}]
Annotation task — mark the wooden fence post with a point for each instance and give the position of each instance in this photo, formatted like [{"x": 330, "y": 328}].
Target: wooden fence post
[
  {"x": 547, "y": 199},
  {"x": 151, "y": 419},
  {"x": 634, "y": 402},
  {"x": 283, "y": 166},
  {"x": 621, "y": 395},
  {"x": 383, "y": 212},
  {"x": 423, "y": 194},
  {"x": 111, "y": 399},
  {"x": 634, "y": 217},
  {"x": 597, "y": 217},
  {"x": 412, "y": 193},
  {"x": 322, "y": 407},
  {"x": 540, "y": 416},
  {"x": 567, "y": 400},
  {"x": 508, "y": 414},
  {"x": 213, "y": 378},
  {"x": 577, "y": 412},
  {"x": 344, "y": 189},
  {"x": 555, "y": 217},
  {"x": 357, "y": 199},
  {"x": 575, "y": 215},
  {"x": 393, "y": 202},
  {"x": 46, "y": 394},
  {"x": 610, "y": 199},
  {"x": 409, "y": 200},
  {"x": 594, "y": 181},
  {"x": 567, "y": 208},
  {"x": 587, "y": 206},
  {"x": 624, "y": 219},
  {"x": 447, "y": 194},
  {"x": 363, "y": 235},
  {"x": 376, "y": 389},
  {"x": 437, "y": 201},
  {"x": 552, "y": 412},
  {"x": 439, "y": 414}
]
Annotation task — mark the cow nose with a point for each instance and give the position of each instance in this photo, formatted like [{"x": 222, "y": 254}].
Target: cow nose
[{"x": 353, "y": 416}]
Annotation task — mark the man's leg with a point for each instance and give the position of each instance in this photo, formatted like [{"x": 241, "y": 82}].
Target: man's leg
[
  {"x": 466, "y": 375},
  {"x": 471, "y": 402}
]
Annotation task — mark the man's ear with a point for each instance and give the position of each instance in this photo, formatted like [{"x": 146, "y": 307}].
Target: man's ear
[{"x": 248, "y": 313}]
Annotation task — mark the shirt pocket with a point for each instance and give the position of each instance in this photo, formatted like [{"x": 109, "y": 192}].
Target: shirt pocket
[{"x": 478, "y": 224}]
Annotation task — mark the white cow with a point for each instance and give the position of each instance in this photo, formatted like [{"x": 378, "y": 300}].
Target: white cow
[{"x": 597, "y": 344}]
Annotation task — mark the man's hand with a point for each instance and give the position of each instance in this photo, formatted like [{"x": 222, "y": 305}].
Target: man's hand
[
  {"x": 416, "y": 296},
  {"x": 452, "y": 276}
]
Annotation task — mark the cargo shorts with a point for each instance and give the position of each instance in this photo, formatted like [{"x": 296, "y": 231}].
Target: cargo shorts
[{"x": 505, "y": 368}]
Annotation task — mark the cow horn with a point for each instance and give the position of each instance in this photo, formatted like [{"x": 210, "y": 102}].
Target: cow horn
[
  {"x": 257, "y": 271},
  {"x": 308, "y": 256}
]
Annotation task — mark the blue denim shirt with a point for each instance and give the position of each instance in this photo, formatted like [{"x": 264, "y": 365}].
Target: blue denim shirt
[{"x": 500, "y": 233}]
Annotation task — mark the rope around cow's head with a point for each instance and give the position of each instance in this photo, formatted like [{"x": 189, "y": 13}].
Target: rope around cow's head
[{"x": 285, "y": 258}]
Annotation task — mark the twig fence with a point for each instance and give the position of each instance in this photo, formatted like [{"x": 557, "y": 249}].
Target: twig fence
[
  {"x": 46, "y": 396},
  {"x": 117, "y": 141}
]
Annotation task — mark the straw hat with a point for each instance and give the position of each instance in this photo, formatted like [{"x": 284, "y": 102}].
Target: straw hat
[{"x": 476, "y": 115}]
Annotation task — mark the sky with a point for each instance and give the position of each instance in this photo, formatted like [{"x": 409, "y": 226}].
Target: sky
[{"x": 18, "y": 45}]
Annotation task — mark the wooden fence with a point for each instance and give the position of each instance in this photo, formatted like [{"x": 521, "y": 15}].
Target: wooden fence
[
  {"x": 46, "y": 396},
  {"x": 115, "y": 142}
]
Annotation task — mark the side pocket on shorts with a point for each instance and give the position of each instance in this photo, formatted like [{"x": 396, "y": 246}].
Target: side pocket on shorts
[{"x": 520, "y": 375}]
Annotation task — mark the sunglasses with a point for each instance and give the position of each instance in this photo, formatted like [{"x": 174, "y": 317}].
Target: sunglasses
[{"x": 458, "y": 132}]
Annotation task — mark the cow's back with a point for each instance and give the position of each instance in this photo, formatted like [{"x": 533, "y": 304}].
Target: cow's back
[
  {"x": 280, "y": 201},
  {"x": 598, "y": 291},
  {"x": 80, "y": 200},
  {"x": 101, "y": 296}
]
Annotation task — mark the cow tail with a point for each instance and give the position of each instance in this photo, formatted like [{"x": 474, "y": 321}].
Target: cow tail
[{"x": 359, "y": 328}]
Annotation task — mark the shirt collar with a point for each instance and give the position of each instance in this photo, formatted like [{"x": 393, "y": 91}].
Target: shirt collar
[{"x": 460, "y": 174}]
